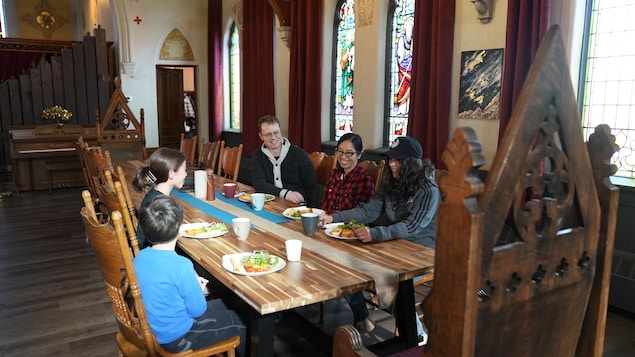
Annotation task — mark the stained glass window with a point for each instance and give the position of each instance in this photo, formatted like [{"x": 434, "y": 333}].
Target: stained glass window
[
  {"x": 234, "y": 78},
  {"x": 608, "y": 83},
  {"x": 400, "y": 62},
  {"x": 344, "y": 68}
]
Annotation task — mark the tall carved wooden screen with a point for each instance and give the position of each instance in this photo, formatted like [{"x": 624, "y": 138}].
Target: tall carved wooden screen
[{"x": 77, "y": 76}]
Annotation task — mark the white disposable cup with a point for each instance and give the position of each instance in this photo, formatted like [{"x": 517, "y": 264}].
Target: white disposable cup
[
  {"x": 241, "y": 227},
  {"x": 200, "y": 183},
  {"x": 294, "y": 249},
  {"x": 257, "y": 201}
]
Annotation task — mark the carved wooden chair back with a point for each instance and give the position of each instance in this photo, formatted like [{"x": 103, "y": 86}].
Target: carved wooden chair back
[
  {"x": 376, "y": 170},
  {"x": 119, "y": 131},
  {"x": 110, "y": 245},
  {"x": 188, "y": 148},
  {"x": 114, "y": 200},
  {"x": 229, "y": 162},
  {"x": 531, "y": 248},
  {"x": 316, "y": 158},
  {"x": 208, "y": 154}
]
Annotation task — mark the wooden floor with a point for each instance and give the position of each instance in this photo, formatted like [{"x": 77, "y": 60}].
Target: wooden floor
[{"x": 53, "y": 301}]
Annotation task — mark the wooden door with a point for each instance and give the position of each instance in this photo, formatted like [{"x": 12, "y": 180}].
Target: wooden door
[{"x": 170, "y": 106}]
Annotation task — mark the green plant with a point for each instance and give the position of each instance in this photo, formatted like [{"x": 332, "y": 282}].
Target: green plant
[{"x": 57, "y": 114}]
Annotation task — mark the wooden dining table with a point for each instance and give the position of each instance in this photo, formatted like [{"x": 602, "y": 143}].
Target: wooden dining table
[{"x": 329, "y": 268}]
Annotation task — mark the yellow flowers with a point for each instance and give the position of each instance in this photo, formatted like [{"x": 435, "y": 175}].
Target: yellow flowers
[{"x": 57, "y": 114}]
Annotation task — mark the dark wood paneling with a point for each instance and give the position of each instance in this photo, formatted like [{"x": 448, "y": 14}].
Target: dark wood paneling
[
  {"x": 68, "y": 78},
  {"x": 26, "y": 95},
  {"x": 36, "y": 90},
  {"x": 80, "y": 82},
  {"x": 47, "y": 85},
  {"x": 58, "y": 84},
  {"x": 103, "y": 75},
  {"x": 16, "y": 108},
  {"x": 90, "y": 65}
]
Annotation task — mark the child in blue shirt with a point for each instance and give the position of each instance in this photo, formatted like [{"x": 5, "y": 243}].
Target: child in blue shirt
[{"x": 172, "y": 292}]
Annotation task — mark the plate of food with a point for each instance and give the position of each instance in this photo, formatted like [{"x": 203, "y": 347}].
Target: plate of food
[
  {"x": 203, "y": 230},
  {"x": 254, "y": 263},
  {"x": 341, "y": 230},
  {"x": 246, "y": 197},
  {"x": 296, "y": 212}
]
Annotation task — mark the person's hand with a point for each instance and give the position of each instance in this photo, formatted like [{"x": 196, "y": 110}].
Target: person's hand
[
  {"x": 325, "y": 219},
  {"x": 295, "y": 197},
  {"x": 203, "y": 282},
  {"x": 363, "y": 234}
]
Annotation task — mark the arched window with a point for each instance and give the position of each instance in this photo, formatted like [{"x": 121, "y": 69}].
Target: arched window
[
  {"x": 233, "y": 49},
  {"x": 607, "y": 83},
  {"x": 399, "y": 63},
  {"x": 344, "y": 64}
]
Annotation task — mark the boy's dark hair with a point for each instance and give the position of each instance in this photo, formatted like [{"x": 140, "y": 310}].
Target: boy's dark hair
[{"x": 160, "y": 219}]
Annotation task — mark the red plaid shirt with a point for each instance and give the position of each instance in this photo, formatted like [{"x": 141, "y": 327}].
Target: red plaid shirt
[{"x": 346, "y": 192}]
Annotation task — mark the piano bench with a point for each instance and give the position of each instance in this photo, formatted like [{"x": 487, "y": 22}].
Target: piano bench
[{"x": 52, "y": 167}]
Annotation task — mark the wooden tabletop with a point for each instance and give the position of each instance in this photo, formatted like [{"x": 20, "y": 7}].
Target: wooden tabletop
[
  {"x": 329, "y": 267},
  {"x": 313, "y": 275}
]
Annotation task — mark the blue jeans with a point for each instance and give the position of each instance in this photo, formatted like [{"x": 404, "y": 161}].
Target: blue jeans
[
  {"x": 218, "y": 323},
  {"x": 357, "y": 303}
]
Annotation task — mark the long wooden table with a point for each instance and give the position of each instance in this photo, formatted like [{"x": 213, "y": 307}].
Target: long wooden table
[{"x": 329, "y": 268}]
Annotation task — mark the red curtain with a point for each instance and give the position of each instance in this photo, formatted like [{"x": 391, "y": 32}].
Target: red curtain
[
  {"x": 215, "y": 68},
  {"x": 258, "y": 88},
  {"x": 305, "y": 75},
  {"x": 527, "y": 23},
  {"x": 14, "y": 63},
  {"x": 431, "y": 85}
]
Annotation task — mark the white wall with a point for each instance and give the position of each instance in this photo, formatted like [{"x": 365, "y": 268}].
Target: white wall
[{"x": 145, "y": 41}]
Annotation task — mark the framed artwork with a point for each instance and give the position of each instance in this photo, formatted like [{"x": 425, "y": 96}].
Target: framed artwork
[{"x": 480, "y": 84}]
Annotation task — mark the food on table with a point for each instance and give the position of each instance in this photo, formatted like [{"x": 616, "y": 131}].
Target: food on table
[
  {"x": 256, "y": 262},
  {"x": 346, "y": 230},
  {"x": 297, "y": 212},
  {"x": 206, "y": 229},
  {"x": 245, "y": 197}
]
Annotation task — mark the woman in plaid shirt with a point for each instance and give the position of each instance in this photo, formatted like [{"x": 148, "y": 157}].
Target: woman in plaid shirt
[{"x": 349, "y": 184}]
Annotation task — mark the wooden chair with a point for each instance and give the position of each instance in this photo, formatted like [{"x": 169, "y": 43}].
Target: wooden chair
[
  {"x": 544, "y": 292},
  {"x": 188, "y": 148},
  {"x": 229, "y": 162},
  {"x": 114, "y": 200},
  {"x": 119, "y": 131},
  {"x": 316, "y": 158},
  {"x": 208, "y": 154},
  {"x": 115, "y": 261},
  {"x": 324, "y": 168},
  {"x": 376, "y": 170}
]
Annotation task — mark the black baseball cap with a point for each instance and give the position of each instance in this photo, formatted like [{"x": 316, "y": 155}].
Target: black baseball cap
[{"x": 403, "y": 147}]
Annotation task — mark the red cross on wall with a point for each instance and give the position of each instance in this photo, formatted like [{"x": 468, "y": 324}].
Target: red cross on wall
[{"x": 137, "y": 20}]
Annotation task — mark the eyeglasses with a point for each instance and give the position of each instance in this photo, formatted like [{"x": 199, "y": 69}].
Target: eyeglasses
[
  {"x": 271, "y": 135},
  {"x": 348, "y": 154}
]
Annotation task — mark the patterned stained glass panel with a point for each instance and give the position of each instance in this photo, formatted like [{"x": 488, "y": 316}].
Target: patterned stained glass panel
[
  {"x": 234, "y": 78},
  {"x": 400, "y": 68},
  {"x": 344, "y": 68},
  {"x": 608, "y": 96}
]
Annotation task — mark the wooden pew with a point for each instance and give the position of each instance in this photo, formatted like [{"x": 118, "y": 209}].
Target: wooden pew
[{"x": 523, "y": 260}]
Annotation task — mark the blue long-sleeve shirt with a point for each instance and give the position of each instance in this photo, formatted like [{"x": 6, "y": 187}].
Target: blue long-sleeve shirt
[{"x": 170, "y": 291}]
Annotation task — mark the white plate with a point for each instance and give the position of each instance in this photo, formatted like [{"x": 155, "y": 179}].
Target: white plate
[
  {"x": 287, "y": 212},
  {"x": 241, "y": 197},
  {"x": 210, "y": 234},
  {"x": 329, "y": 227},
  {"x": 230, "y": 267}
]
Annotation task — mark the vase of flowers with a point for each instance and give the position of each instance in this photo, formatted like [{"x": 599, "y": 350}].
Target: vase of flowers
[{"x": 57, "y": 114}]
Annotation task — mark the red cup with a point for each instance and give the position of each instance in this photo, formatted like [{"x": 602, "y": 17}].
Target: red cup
[{"x": 229, "y": 189}]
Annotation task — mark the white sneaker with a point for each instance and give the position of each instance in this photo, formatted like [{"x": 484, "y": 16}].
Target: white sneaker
[{"x": 364, "y": 326}]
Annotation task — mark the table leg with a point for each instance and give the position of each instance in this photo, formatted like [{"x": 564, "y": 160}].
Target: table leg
[
  {"x": 261, "y": 335},
  {"x": 405, "y": 313}
]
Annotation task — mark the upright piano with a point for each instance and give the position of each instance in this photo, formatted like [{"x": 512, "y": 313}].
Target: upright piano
[{"x": 45, "y": 157}]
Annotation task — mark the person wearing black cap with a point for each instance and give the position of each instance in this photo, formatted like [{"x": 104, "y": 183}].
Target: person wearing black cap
[
  {"x": 405, "y": 206},
  {"x": 406, "y": 202},
  {"x": 172, "y": 292}
]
